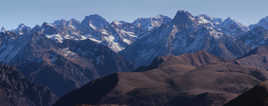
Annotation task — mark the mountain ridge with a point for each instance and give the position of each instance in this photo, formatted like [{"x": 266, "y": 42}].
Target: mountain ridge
[{"x": 170, "y": 84}]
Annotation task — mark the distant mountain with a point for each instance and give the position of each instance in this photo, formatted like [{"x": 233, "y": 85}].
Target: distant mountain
[
  {"x": 185, "y": 34},
  {"x": 257, "y": 96},
  {"x": 232, "y": 27},
  {"x": 151, "y": 23},
  {"x": 60, "y": 66},
  {"x": 66, "y": 54},
  {"x": 16, "y": 90},
  {"x": 22, "y": 29},
  {"x": 262, "y": 23},
  {"x": 201, "y": 80},
  {"x": 255, "y": 37}
]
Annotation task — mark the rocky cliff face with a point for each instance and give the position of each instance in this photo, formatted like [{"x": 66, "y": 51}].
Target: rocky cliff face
[{"x": 16, "y": 90}]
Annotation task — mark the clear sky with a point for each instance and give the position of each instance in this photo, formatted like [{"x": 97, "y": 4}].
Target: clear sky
[{"x": 32, "y": 12}]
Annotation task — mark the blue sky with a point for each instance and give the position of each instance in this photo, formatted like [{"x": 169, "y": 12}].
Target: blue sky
[{"x": 32, "y": 12}]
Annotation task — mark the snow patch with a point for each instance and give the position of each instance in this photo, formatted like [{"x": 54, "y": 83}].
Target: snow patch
[
  {"x": 56, "y": 37},
  {"x": 92, "y": 26},
  {"x": 116, "y": 47},
  {"x": 95, "y": 40},
  {"x": 109, "y": 38},
  {"x": 127, "y": 41},
  {"x": 202, "y": 20},
  {"x": 130, "y": 34},
  {"x": 68, "y": 53},
  {"x": 117, "y": 23},
  {"x": 104, "y": 32}
]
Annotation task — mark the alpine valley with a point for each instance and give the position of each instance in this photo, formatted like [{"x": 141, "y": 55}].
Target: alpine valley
[{"x": 154, "y": 61}]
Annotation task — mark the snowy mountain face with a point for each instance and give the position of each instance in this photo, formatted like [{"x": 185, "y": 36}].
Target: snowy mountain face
[
  {"x": 127, "y": 31},
  {"x": 70, "y": 27},
  {"x": 67, "y": 63},
  {"x": 185, "y": 34},
  {"x": 130, "y": 32},
  {"x": 117, "y": 35},
  {"x": 151, "y": 23},
  {"x": 98, "y": 29},
  {"x": 228, "y": 26},
  {"x": 93, "y": 27}
]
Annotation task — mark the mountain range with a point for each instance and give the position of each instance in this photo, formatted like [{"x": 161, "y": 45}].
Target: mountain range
[
  {"x": 150, "y": 61},
  {"x": 72, "y": 53}
]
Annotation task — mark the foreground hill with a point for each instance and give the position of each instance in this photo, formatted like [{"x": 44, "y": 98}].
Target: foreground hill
[
  {"x": 258, "y": 96},
  {"x": 15, "y": 90},
  {"x": 256, "y": 58},
  {"x": 171, "y": 82}
]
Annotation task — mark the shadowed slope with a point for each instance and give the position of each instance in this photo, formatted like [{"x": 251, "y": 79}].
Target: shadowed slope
[
  {"x": 96, "y": 88},
  {"x": 15, "y": 90},
  {"x": 256, "y": 58},
  {"x": 258, "y": 96}
]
